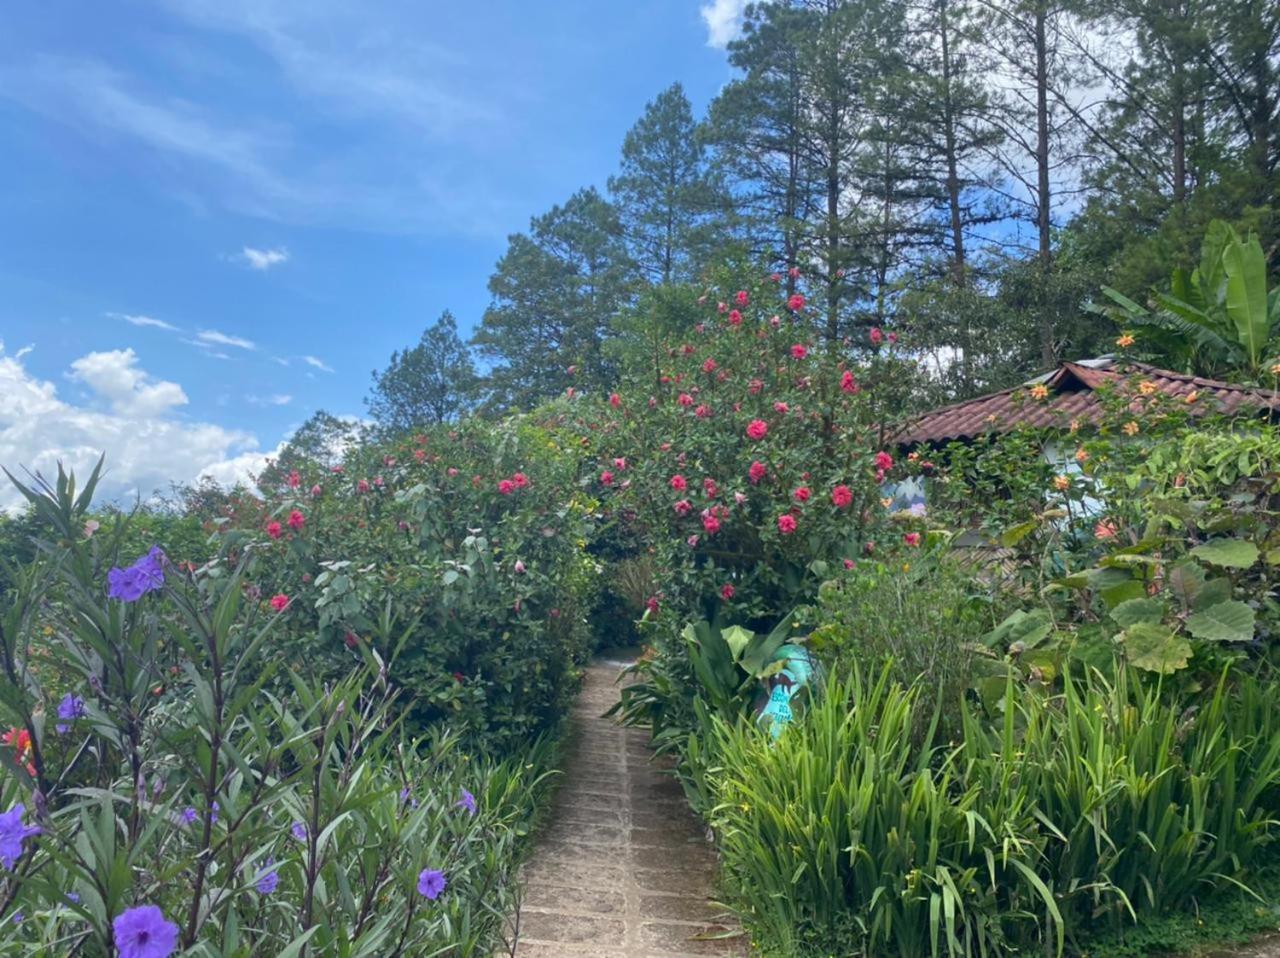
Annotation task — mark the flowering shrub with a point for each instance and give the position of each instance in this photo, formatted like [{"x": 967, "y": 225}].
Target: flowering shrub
[{"x": 176, "y": 804}]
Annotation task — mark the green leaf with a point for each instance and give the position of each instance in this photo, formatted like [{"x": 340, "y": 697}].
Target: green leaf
[
  {"x": 1229, "y": 553},
  {"x": 1155, "y": 648},
  {"x": 1121, "y": 593},
  {"x": 737, "y": 638},
  {"x": 1229, "y": 621},
  {"x": 1138, "y": 610},
  {"x": 1186, "y": 579},
  {"x": 1246, "y": 267}
]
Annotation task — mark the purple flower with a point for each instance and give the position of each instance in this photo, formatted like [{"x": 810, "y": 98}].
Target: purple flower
[
  {"x": 269, "y": 879},
  {"x": 13, "y": 833},
  {"x": 299, "y": 831},
  {"x": 145, "y": 575},
  {"x": 190, "y": 816},
  {"x": 69, "y": 709},
  {"x": 17, "y": 918},
  {"x": 431, "y": 883},
  {"x": 73, "y": 897},
  {"x": 467, "y": 801},
  {"x": 143, "y": 932}
]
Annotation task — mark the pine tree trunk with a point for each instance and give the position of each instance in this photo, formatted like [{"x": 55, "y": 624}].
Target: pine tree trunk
[{"x": 1048, "y": 351}]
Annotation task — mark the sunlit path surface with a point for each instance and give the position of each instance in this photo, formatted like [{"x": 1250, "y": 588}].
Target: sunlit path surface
[{"x": 623, "y": 869}]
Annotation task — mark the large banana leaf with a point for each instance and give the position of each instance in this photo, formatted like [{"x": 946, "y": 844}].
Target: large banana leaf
[{"x": 1245, "y": 266}]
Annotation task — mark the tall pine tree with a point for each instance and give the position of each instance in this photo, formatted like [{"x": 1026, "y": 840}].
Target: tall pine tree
[{"x": 429, "y": 383}]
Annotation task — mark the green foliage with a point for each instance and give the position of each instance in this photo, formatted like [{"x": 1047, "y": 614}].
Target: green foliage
[{"x": 430, "y": 383}]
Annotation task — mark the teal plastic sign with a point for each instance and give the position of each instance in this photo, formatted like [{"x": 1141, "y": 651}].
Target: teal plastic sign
[{"x": 797, "y": 672}]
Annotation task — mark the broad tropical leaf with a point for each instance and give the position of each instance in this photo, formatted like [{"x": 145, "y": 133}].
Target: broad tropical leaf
[
  {"x": 1230, "y": 621},
  {"x": 1155, "y": 648}
]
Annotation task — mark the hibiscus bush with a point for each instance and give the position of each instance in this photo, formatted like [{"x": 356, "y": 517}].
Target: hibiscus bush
[{"x": 158, "y": 796}]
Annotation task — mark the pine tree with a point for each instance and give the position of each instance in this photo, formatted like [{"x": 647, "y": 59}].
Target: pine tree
[
  {"x": 429, "y": 383},
  {"x": 667, "y": 198},
  {"x": 556, "y": 291}
]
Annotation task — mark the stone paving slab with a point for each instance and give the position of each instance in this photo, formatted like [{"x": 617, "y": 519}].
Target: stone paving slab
[{"x": 623, "y": 869}]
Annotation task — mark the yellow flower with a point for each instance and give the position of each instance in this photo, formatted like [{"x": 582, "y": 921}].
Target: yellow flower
[
  {"x": 1191, "y": 397},
  {"x": 1131, "y": 428},
  {"x": 1061, "y": 483},
  {"x": 1275, "y": 370},
  {"x": 906, "y": 567},
  {"x": 1147, "y": 387},
  {"x": 1125, "y": 341},
  {"x": 1081, "y": 455},
  {"x": 1039, "y": 391}
]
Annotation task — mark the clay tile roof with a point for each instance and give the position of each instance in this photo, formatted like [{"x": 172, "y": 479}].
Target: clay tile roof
[{"x": 1072, "y": 396}]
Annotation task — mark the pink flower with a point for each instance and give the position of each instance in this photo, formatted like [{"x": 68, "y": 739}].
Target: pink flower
[
  {"x": 912, "y": 539},
  {"x": 798, "y": 351},
  {"x": 893, "y": 337},
  {"x": 506, "y": 487},
  {"x": 709, "y": 487},
  {"x": 620, "y": 463},
  {"x": 775, "y": 321},
  {"x": 606, "y": 478},
  {"x": 842, "y": 496},
  {"x": 519, "y": 567},
  {"x": 757, "y": 472},
  {"x": 794, "y": 272},
  {"x": 451, "y": 471},
  {"x": 684, "y": 399},
  {"x": 755, "y": 386},
  {"x": 274, "y": 529},
  {"x": 775, "y": 277},
  {"x": 721, "y": 307},
  {"x": 295, "y": 480},
  {"x": 757, "y": 429},
  {"x": 296, "y": 520},
  {"x": 316, "y": 491},
  {"x": 615, "y": 400},
  {"x": 884, "y": 461},
  {"x": 742, "y": 298},
  {"x": 678, "y": 483},
  {"x": 362, "y": 485},
  {"x": 279, "y": 602},
  {"x": 652, "y": 605},
  {"x": 683, "y": 507},
  {"x": 786, "y": 523},
  {"x": 735, "y": 317},
  {"x": 847, "y": 383},
  {"x": 795, "y": 303},
  {"x": 703, "y": 411},
  {"x": 709, "y": 366},
  {"x": 801, "y": 494},
  {"x": 781, "y": 408},
  {"x": 727, "y": 591},
  {"x": 876, "y": 336},
  {"x": 848, "y": 563},
  {"x": 520, "y": 480},
  {"x": 710, "y": 523}
]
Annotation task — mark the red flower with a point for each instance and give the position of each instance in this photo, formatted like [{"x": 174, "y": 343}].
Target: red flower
[
  {"x": 709, "y": 487},
  {"x": 606, "y": 478},
  {"x": 19, "y": 739},
  {"x": 362, "y": 485},
  {"x": 520, "y": 480},
  {"x": 709, "y": 366},
  {"x": 279, "y": 601},
  {"x": 755, "y": 386},
  {"x": 710, "y": 523},
  {"x": 912, "y": 538},
  {"x": 735, "y": 317},
  {"x": 794, "y": 272},
  {"x": 848, "y": 563},
  {"x": 847, "y": 383},
  {"x": 781, "y": 408},
  {"x": 801, "y": 494},
  {"x": 795, "y": 303},
  {"x": 757, "y": 429},
  {"x": 652, "y": 605},
  {"x": 296, "y": 520},
  {"x": 274, "y": 530},
  {"x": 842, "y": 496},
  {"x": 884, "y": 461},
  {"x": 742, "y": 298},
  {"x": 295, "y": 480},
  {"x": 876, "y": 336},
  {"x": 683, "y": 507},
  {"x": 703, "y": 411},
  {"x": 678, "y": 483},
  {"x": 786, "y": 523},
  {"x": 684, "y": 399},
  {"x": 420, "y": 455},
  {"x": 351, "y": 640},
  {"x": 727, "y": 591},
  {"x": 620, "y": 463},
  {"x": 615, "y": 400},
  {"x": 798, "y": 351},
  {"x": 316, "y": 491},
  {"x": 757, "y": 471},
  {"x": 775, "y": 277},
  {"x": 506, "y": 487}
]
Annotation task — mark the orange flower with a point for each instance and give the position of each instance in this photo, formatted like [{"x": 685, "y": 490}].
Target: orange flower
[
  {"x": 1125, "y": 341},
  {"x": 1082, "y": 455},
  {"x": 1130, "y": 428},
  {"x": 1039, "y": 391},
  {"x": 1275, "y": 370},
  {"x": 1075, "y": 425},
  {"x": 1061, "y": 483},
  {"x": 19, "y": 739},
  {"x": 1191, "y": 397},
  {"x": 1147, "y": 387}
]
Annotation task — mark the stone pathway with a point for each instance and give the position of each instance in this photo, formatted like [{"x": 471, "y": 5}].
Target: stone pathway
[{"x": 623, "y": 869}]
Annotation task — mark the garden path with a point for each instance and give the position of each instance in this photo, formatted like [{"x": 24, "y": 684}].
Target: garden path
[{"x": 623, "y": 869}]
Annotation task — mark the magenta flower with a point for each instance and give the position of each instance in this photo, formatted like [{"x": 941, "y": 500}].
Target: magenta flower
[{"x": 143, "y": 932}]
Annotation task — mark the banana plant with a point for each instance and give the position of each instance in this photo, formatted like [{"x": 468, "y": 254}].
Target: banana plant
[
  {"x": 1217, "y": 318},
  {"x": 730, "y": 662}
]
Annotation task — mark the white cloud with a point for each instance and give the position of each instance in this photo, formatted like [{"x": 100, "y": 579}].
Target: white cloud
[
  {"x": 115, "y": 377},
  {"x": 724, "y": 21},
  {"x": 134, "y": 319},
  {"x": 278, "y": 399},
  {"x": 23, "y": 351},
  {"x": 317, "y": 363},
  {"x": 128, "y": 415},
  {"x": 263, "y": 259},
  {"x": 211, "y": 337}
]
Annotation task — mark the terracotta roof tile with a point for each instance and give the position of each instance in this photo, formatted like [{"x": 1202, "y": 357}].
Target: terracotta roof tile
[{"x": 1072, "y": 396}]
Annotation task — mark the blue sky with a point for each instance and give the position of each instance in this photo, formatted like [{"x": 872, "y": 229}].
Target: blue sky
[{"x": 217, "y": 216}]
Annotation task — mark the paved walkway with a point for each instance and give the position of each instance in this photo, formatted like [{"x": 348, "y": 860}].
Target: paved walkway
[{"x": 623, "y": 869}]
